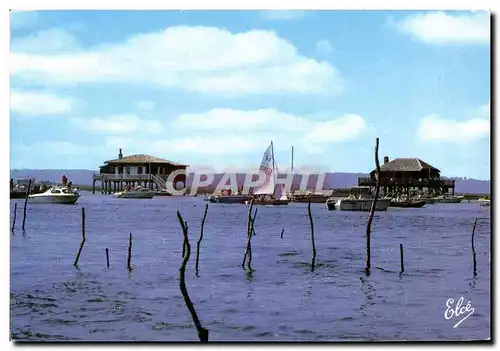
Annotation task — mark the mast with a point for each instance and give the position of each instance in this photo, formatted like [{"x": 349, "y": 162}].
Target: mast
[
  {"x": 292, "y": 159},
  {"x": 274, "y": 168}
]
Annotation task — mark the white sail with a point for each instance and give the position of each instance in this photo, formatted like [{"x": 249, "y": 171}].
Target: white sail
[
  {"x": 280, "y": 192},
  {"x": 267, "y": 166}
]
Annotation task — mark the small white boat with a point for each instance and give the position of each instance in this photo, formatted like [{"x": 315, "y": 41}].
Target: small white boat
[
  {"x": 137, "y": 193},
  {"x": 57, "y": 195},
  {"x": 484, "y": 202},
  {"x": 359, "y": 199}
]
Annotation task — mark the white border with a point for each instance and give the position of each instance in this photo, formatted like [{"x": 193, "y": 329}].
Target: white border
[{"x": 183, "y": 5}]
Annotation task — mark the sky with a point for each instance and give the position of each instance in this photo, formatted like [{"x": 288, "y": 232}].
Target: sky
[{"x": 212, "y": 88}]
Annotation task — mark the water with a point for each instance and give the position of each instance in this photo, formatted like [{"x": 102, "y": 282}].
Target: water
[{"x": 281, "y": 301}]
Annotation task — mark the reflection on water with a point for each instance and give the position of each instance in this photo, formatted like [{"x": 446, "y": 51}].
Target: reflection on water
[{"x": 280, "y": 300}]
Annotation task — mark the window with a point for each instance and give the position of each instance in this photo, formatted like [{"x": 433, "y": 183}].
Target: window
[
  {"x": 56, "y": 191},
  {"x": 139, "y": 170}
]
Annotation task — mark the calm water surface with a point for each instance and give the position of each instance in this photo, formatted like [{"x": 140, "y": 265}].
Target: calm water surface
[{"x": 281, "y": 301}]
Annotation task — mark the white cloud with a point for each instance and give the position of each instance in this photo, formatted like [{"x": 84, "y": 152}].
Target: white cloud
[
  {"x": 146, "y": 105},
  {"x": 49, "y": 41},
  {"x": 202, "y": 59},
  {"x": 276, "y": 122},
  {"x": 23, "y": 19},
  {"x": 120, "y": 124},
  {"x": 433, "y": 128},
  {"x": 442, "y": 28},
  {"x": 231, "y": 132},
  {"x": 283, "y": 15},
  {"x": 32, "y": 103},
  {"x": 324, "y": 46}
]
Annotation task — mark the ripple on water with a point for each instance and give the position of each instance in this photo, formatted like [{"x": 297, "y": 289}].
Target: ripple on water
[{"x": 282, "y": 300}]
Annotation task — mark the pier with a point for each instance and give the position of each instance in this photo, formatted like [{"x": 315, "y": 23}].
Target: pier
[{"x": 143, "y": 170}]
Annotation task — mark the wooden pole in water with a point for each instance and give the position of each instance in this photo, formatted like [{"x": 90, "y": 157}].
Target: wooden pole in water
[
  {"x": 282, "y": 231},
  {"x": 253, "y": 221},
  {"x": 83, "y": 238},
  {"x": 372, "y": 211},
  {"x": 312, "y": 236},
  {"x": 14, "y": 220},
  {"x": 107, "y": 257},
  {"x": 249, "y": 234},
  {"x": 473, "y": 249},
  {"x": 26, "y": 203},
  {"x": 129, "y": 252},
  {"x": 200, "y": 238},
  {"x": 202, "y": 332},
  {"x": 401, "y": 256}
]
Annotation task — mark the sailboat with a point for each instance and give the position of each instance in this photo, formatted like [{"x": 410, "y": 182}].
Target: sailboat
[{"x": 269, "y": 193}]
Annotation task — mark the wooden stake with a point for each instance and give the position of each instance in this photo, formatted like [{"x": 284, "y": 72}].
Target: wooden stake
[
  {"x": 253, "y": 221},
  {"x": 312, "y": 236},
  {"x": 83, "y": 238},
  {"x": 200, "y": 238},
  {"x": 401, "y": 255},
  {"x": 202, "y": 332},
  {"x": 107, "y": 257},
  {"x": 474, "y": 249},
  {"x": 282, "y": 231},
  {"x": 26, "y": 203},
  {"x": 129, "y": 267},
  {"x": 249, "y": 235},
  {"x": 372, "y": 211},
  {"x": 14, "y": 220}
]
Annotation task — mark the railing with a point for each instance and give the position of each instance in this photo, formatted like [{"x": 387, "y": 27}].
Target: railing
[
  {"x": 367, "y": 181},
  {"x": 123, "y": 177},
  {"x": 160, "y": 183}
]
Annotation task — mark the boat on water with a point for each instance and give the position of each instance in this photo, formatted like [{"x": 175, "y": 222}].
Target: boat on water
[
  {"x": 137, "y": 193},
  {"x": 407, "y": 203},
  {"x": 484, "y": 202},
  {"x": 230, "y": 199},
  {"x": 447, "y": 199},
  {"x": 56, "y": 195},
  {"x": 269, "y": 193},
  {"x": 360, "y": 199},
  {"x": 315, "y": 198}
]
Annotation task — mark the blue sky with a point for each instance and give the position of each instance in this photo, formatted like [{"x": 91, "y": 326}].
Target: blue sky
[{"x": 212, "y": 88}]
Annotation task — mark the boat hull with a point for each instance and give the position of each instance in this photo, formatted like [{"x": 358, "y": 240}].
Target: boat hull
[
  {"x": 132, "y": 195},
  {"x": 448, "y": 201},
  {"x": 64, "y": 200},
  {"x": 315, "y": 199},
  {"x": 484, "y": 202},
  {"x": 357, "y": 204},
  {"x": 231, "y": 199},
  {"x": 268, "y": 202},
  {"x": 408, "y": 204}
]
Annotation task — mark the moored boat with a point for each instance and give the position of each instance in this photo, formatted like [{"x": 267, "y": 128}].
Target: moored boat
[
  {"x": 56, "y": 195},
  {"x": 359, "y": 199},
  {"x": 137, "y": 193},
  {"x": 446, "y": 199},
  {"x": 407, "y": 203},
  {"x": 269, "y": 193},
  {"x": 484, "y": 202}
]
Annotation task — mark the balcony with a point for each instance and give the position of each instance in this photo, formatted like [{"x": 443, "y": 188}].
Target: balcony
[
  {"x": 367, "y": 181},
  {"x": 105, "y": 177}
]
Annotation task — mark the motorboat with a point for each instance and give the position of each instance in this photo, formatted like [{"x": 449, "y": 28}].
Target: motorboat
[
  {"x": 230, "y": 199},
  {"x": 446, "y": 199},
  {"x": 359, "y": 199},
  {"x": 407, "y": 203},
  {"x": 484, "y": 202},
  {"x": 137, "y": 193},
  {"x": 268, "y": 200},
  {"x": 57, "y": 195}
]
